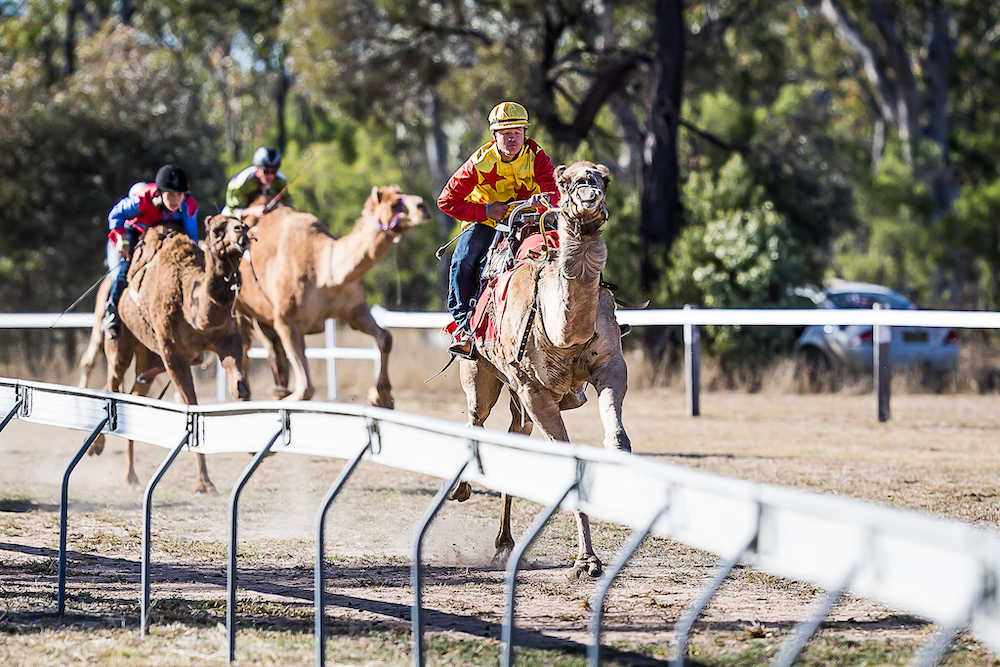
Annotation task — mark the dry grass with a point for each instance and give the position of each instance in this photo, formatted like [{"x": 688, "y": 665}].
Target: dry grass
[{"x": 937, "y": 455}]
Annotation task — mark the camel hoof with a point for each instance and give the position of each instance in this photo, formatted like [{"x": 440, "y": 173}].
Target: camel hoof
[
  {"x": 586, "y": 568},
  {"x": 131, "y": 480},
  {"x": 97, "y": 446},
  {"x": 461, "y": 493},
  {"x": 278, "y": 393},
  {"x": 205, "y": 487},
  {"x": 504, "y": 546},
  {"x": 381, "y": 399}
]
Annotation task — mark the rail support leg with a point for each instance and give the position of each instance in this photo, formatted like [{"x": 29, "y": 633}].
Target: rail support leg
[
  {"x": 514, "y": 563},
  {"x": 691, "y": 612},
  {"x": 234, "y": 502},
  {"x": 416, "y": 571},
  {"x": 803, "y": 630},
  {"x": 10, "y": 415},
  {"x": 64, "y": 510},
  {"x": 147, "y": 520},
  {"x": 319, "y": 575},
  {"x": 594, "y": 652}
]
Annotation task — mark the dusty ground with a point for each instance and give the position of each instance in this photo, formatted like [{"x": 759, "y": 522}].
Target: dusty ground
[{"x": 938, "y": 454}]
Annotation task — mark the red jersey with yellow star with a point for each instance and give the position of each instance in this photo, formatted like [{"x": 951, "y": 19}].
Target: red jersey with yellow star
[{"x": 485, "y": 179}]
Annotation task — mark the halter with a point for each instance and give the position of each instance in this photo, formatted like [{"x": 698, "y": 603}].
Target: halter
[
  {"x": 399, "y": 208},
  {"x": 235, "y": 278},
  {"x": 578, "y": 227}
]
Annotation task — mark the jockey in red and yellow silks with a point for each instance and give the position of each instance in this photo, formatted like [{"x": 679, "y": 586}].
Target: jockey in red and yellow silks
[
  {"x": 485, "y": 178},
  {"x": 509, "y": 168}
]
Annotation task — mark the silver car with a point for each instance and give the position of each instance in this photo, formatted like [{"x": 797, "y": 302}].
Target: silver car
[{"x": 826, "y": 353}]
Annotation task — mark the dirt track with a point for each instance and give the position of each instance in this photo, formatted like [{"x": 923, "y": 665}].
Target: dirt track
[{"x": 938, "y": 454}]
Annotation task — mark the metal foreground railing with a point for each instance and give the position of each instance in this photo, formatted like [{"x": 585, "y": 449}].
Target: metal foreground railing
[{"x": 943, "y": 571}]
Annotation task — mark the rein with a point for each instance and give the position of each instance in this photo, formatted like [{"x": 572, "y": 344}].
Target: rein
[{"x": 398, "y": 209}]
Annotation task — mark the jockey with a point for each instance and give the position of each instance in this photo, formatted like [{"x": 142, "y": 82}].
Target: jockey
[
  {"x": 262, "y": 177},
  {"x": 147, "y": 205},
  {"x": 511, "y": 167}
]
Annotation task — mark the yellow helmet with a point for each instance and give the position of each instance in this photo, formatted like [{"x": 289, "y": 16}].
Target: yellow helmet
[{"x": 508, "y": 115}]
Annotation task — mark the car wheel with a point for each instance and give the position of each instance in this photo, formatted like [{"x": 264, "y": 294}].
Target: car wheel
[{"x": 813, "y": 373}]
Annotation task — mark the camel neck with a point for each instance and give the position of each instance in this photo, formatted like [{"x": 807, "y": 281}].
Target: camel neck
[
  {"x": 352, "y": 256},
  {"x": 570, "y": 288}
]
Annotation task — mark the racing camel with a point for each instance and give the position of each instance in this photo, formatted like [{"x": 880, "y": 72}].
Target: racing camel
[
  {"x": 179, "y": 303},
  {"x": 296, "y": 275},
  {"x": 556, "y": 333}
]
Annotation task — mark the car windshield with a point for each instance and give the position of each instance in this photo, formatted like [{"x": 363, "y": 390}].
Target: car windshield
[{"x": 860, "y": 300}]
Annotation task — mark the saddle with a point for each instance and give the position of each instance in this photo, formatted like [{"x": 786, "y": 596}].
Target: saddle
[{"x": 497, "y": 273}]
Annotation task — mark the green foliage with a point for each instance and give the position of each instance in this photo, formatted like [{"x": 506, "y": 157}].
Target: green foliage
[
  {"x": 737, "y": 251},
  {"x": 69, "y": 152}
]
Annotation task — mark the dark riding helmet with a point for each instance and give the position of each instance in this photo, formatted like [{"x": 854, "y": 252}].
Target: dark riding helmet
[
  {"x": 267, "y": 158},
  {"x": 171, "y": 178}
]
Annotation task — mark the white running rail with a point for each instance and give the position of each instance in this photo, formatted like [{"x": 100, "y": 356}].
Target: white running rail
[{"x": 944, "y": 571}]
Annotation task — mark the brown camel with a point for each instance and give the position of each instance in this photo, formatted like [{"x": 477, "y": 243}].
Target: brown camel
[
  {"x": 179, "y": 303},
  {"x": 573, "y": 340},
  {"x": 296, "y": 275}
]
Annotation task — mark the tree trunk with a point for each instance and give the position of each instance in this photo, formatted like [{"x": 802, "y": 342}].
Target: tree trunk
[
  {"x": 437, "y": 160},
  {"x": 939, "y": 49},
  {"x": 281, "y": 88},
  {"x": 125, "y": 11},
  {"x": 69, "y": 45},
  {"x": 661, "y": 208}
]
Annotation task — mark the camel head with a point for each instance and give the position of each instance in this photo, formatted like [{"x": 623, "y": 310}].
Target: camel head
[
  {"x": 582, "y": 188},
  {"x": 395, "y": 212},
  {"x": 225, "y": 236}
]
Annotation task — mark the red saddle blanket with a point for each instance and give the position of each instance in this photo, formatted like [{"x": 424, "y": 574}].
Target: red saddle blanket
[{"x": 492, "y": 300}]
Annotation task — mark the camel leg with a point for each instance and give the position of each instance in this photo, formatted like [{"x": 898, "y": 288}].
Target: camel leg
[
  {"x": 361, "y": 320},
  {"x": 294, "y": 343},
  {"x": 482, "y": 390},
  {"x": 611, "y": 383},
  {"x": 119, "y": 352},
  {"x": 96, "y": 343},
  {"x": 505, "y": 540},
  {"x": 276, "y": 359},
  {"x": 544, "y": 411},
  {"x": 230, "y": 351},
  {"x": 180, "y": 374}
]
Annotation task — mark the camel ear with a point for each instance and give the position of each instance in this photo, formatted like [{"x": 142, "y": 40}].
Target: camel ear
[
  {"x": 560, "y": 170},
  {"x": 605, "y": 174}
]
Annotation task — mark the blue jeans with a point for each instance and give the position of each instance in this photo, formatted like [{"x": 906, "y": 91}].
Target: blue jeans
[
  {"x": 466, "y": 263},
  {"x": 121, "y": 275}
]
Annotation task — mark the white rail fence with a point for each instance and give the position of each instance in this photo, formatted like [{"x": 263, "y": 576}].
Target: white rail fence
[
  {"x": 940, "y": 570},
  {"x": 689, "y": 318}
]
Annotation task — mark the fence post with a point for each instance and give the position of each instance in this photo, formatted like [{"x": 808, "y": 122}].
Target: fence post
[
  {"x": 234, "y": 501},
  {"x": 64, "y": 508},
  {"x": 691, "y": 612},
  {"x": 319, "y": 574},
  {"x": 147, "y": 514},
  {"x": 638, "y": 535},
  {"x": 416, "y": 619},
  {"x": 10, "y": 415},
  {"x": 330, "y": 334},
  {"x": 513, "y": 563},
  {"x": 220, "y": 381},
  {"x": 882, "y": 344},
  {"x": 692, "y": 366}
]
